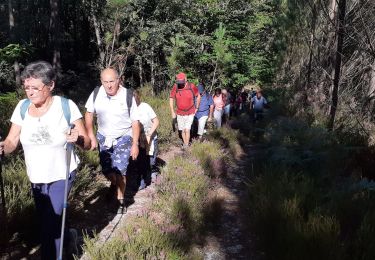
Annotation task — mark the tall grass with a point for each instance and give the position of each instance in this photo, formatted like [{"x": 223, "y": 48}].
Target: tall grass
[{"x": 302, "y": 202}]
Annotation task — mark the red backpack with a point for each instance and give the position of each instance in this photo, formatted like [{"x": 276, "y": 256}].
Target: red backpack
[{"x": 178, "y": 91}]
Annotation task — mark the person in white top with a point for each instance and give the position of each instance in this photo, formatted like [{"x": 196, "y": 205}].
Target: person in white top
[
  {"x": 41, "y": 127},
  {"x": 118, "y": 130},
  {"x": 148, "y": 141}
]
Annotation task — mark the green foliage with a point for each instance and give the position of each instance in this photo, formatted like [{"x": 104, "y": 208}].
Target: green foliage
[
  {"x": 13, "y": 52},
  {"x": 7, "y": 104},
  {"x": 139, "y": 240},
  {"x": 301, "y": 204}
]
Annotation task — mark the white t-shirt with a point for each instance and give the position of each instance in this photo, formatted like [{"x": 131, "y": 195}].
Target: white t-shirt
[
  {"x": 146, "y": 114},
  {"x": 43, "y": 141},
  {"x": 259, "y": 103},
  {"x": 112, "y": 113}
]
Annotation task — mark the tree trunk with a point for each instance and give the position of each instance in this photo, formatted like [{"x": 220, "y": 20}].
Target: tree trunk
[
  {"x": 54, "y": 27},
  {"x": 214, "y": 77},
  {"x": 336, "y": 80},
  {"x": 312, "y": 41},
  {"x": 140, "y": 70},
  {"x": 98, "y": 36},
  {"x": 152, "y": 65},
  {"x": 12, "y": 36},
  {"x": 332, "y": 9},
  {"x": 371, "y": 90}
]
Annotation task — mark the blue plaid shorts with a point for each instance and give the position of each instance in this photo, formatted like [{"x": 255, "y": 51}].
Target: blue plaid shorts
[{"x": 116, "y": 158}]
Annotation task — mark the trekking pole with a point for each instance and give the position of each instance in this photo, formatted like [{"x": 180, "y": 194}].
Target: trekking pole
[
  {"x": 69, "y": 148},
  {"x": 2, "y": 185}
]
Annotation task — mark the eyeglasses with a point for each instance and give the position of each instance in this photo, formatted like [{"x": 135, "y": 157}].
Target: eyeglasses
[{"x": 33, "y": 88}]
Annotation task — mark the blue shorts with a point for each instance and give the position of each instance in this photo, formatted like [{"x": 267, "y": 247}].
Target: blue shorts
[{"x": 116, "y": 158}]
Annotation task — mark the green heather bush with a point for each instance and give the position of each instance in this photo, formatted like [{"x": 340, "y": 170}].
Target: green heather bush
[
  {"x": 178, "y": 215},
  {"x": 7, "y": 104},
  {"x": 141, "y": 239},
  {"x": 229, "y": 139},
  {"x": 182, "y": 193},
  {"x": 302, "y": 205}
]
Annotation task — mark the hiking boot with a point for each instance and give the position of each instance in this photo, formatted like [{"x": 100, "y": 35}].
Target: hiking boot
[
  {"x": 122, "y": 208},
  {"x": 72, "y": 246}
]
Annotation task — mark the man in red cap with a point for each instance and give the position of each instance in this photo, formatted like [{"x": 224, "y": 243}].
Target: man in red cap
[{"x": 187, "y": 100}]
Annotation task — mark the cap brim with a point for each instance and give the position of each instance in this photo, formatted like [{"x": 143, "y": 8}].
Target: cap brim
[{"x": 180, "y": 81}]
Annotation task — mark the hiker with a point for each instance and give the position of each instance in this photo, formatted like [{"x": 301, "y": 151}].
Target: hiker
[
  {"x": 187, "y": 99},
  {"x": 244, "y": 96},
  {"x": 219, "y": 103},
  {"x": 118, "y": 130},
  {"x": 41, "y": 123},
  {"x": 205, "y": 110},
  {"x": 258, "y": 103},
  {"x": 227, "y": 97},
  {"x": 148, "y": 141}
]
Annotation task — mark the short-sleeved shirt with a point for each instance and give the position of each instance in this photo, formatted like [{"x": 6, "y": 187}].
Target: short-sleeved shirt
[
  {"x": 43, "y": 140},
  {"x": 204, "y": 106},
  {"x": 219, "y": 102},
  {"x": 259, "y": 103},
  {"x": 146, "y": 114},
  {"x": 113, "y": 113},
  {"x": 185, "y": 98}
]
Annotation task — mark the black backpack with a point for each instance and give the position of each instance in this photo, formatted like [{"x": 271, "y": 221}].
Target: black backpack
[{"x": 129, "y": 97}]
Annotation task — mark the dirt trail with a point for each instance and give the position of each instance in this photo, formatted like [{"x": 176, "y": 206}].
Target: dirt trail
[{"x": 231, "y": 239}]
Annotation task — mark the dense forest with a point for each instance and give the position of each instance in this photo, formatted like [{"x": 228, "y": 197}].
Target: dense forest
[
  {"x": 315, "y": 60},
  {"x": 322, "y": 51}
]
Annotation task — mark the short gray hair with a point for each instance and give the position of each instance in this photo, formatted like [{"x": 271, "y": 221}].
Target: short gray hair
[{"x": 42, "y": 70}]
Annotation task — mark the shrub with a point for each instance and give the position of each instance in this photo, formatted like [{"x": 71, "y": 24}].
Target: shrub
[{"x": 302, "y": 203}]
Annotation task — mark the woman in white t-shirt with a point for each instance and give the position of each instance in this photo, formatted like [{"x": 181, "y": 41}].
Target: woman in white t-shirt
[
  {"x": 148, "y": 140},
  {"x": 41, "y": 123}
]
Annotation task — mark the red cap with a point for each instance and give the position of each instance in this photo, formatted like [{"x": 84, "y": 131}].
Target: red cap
[{"x": 180, "y": 78}]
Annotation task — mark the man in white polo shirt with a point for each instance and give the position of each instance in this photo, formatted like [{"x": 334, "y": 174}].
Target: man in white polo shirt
[{"x": 118, "y": 129}]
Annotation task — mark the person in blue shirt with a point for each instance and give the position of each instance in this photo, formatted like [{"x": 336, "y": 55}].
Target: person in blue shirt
[
  {"x": 205, "y": 110},
  {"x": 258, "y": 103}
]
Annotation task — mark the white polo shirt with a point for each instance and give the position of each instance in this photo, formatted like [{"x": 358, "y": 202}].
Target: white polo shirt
[
  {"x": 43, "y": 139},
  {"x": 112, "y": 113}
]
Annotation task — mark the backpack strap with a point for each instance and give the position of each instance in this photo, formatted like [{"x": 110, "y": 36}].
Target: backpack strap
[
  {"x": 66, "y": 109},
  {"x": 24, "y": 106},
  {"x": 95, "y": 94},
  {"x": 129, "y": 98},
  {"x": 64, "y": 105},
  {"x": 96, "y": 91}
]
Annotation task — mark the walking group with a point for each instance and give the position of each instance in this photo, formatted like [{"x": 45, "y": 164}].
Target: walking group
[{"x": 48, "y": 126}]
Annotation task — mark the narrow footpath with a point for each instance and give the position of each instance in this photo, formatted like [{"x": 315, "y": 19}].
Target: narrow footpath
[
  {"x": 228, "y": 237},
  {"x": 232, "y": 239}
]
